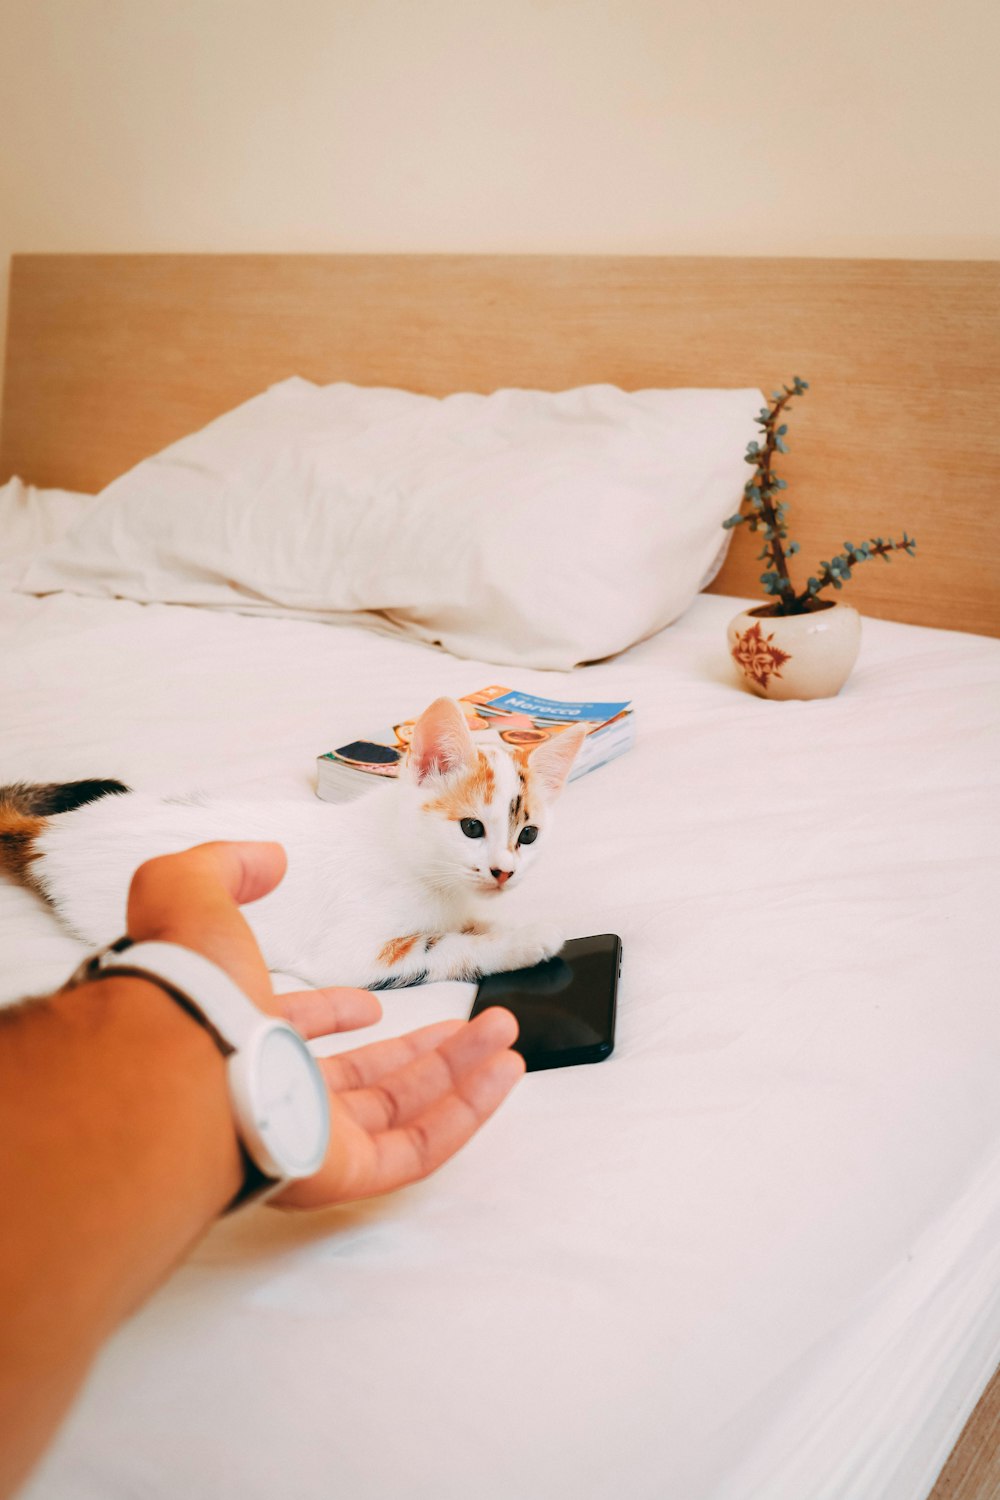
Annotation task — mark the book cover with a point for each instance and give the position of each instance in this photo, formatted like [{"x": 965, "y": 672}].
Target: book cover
[{"x": 519, "y": 720}]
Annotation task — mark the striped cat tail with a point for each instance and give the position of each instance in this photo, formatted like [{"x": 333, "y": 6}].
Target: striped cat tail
[{"x": 24, "y": 809}]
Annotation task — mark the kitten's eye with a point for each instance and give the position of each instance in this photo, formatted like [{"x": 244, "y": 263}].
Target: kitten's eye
[
  {"x": 472, "y": 828},
  {"x": 528, "y": 834}
]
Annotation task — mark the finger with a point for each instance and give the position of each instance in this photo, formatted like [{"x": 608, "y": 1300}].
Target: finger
[
  {"x": 239, "y": 873},
  {"x": 255, "y": 866},
  {"x": 413, "y": 1151},
  {"x": 362, "y": 1165},
  {"x": 322, "y": 1012},
  {"x": 191, "y": 898},
  {"x": 362, "y": 1067},
  {"x": 428, "y": 1142},
  {"x": 400, "y": 1086}
]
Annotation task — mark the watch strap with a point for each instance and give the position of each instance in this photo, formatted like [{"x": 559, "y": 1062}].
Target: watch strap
[
  {"x": 257, "y": 1186},
  {"x": 236, "y": 1025},
  {"x": 177, "y": 971},
  {"x": 232, "y": 1018}
]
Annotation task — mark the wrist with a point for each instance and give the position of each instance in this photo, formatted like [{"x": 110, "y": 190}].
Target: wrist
[
  {"x": 277, "y": 1091},
  {"x": 156, "y": 1053}
]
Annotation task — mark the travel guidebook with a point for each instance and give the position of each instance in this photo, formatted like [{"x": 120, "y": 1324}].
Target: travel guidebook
[{"x": 519, "y": 719}]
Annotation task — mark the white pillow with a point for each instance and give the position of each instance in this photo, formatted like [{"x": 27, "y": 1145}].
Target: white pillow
[{"x": 533, "y": 528}]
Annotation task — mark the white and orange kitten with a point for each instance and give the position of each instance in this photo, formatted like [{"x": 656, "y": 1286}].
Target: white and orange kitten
[{"x": 400, "y": 886}]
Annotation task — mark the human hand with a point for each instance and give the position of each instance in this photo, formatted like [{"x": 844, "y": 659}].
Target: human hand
[
  {"x": 192, "y": 899},
  {"x": 399, "y": 1108}
]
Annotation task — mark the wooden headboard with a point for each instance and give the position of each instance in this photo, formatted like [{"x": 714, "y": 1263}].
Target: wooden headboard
[{"x": 110, "y": 357}]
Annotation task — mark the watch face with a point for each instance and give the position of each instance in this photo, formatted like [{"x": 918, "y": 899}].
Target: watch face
[{"x": 290, "y": 1103}]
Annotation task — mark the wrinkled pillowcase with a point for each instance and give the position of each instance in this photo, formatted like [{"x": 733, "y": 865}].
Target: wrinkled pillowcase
[{"x": 535, "y": 528}]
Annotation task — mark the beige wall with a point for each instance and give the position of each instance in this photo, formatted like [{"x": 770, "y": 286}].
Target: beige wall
[{"x": 815, "y": 127}]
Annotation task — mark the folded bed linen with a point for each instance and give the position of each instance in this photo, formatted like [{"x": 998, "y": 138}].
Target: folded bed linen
[{"x": 756, "y": 1253}]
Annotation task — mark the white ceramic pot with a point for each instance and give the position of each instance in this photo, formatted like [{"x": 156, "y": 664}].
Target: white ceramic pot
[{"x": 796, "y": 656}]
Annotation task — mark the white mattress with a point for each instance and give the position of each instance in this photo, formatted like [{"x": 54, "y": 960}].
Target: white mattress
[{"x": 754, "y": 1254}]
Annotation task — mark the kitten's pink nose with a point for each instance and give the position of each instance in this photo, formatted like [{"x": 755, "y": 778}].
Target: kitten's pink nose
[{"x": 501, "y": 875}]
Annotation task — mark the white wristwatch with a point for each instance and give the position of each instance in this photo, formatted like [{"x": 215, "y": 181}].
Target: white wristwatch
[{"x": 277, "y": 1091}]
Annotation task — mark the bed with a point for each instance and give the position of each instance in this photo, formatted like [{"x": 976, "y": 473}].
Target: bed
[{"x": 755, "y": 1255}]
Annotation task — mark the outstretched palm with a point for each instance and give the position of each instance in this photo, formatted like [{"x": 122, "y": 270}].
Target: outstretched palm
[{"x": 399, "y": 1108}]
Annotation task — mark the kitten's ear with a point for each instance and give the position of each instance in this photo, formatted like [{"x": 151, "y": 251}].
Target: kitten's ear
[
  {"x": 552, "y": 761},
  {"x": 441, "y": 741}
]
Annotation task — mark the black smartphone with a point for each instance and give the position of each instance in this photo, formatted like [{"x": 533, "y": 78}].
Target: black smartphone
[{"x": 565, "y": 1006}]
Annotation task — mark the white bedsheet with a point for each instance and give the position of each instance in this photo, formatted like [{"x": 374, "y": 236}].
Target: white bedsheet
[{"x": 754, "y": 1254}]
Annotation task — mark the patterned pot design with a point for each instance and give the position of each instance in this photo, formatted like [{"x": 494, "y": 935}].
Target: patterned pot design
[{"x": 796, "y": 656}]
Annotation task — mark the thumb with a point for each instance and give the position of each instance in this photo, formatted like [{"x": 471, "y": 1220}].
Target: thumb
[{"x": 193, "y": 899}]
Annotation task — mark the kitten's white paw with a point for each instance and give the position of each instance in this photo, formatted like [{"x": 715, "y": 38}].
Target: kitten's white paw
[{"x": 534, "y": 943}]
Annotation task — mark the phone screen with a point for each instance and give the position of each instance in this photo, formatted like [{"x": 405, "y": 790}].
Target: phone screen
[{"x": 565, "y": 1007}]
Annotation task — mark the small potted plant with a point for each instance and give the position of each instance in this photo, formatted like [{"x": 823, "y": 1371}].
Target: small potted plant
[{"x": 799, "y": 645}]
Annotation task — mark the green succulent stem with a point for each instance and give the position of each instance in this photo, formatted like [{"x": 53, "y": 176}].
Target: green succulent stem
[
  {"x": 767, "y": 505},
  {"x": 834, "y": 574},
  {"x": 760, "y": 510}
]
